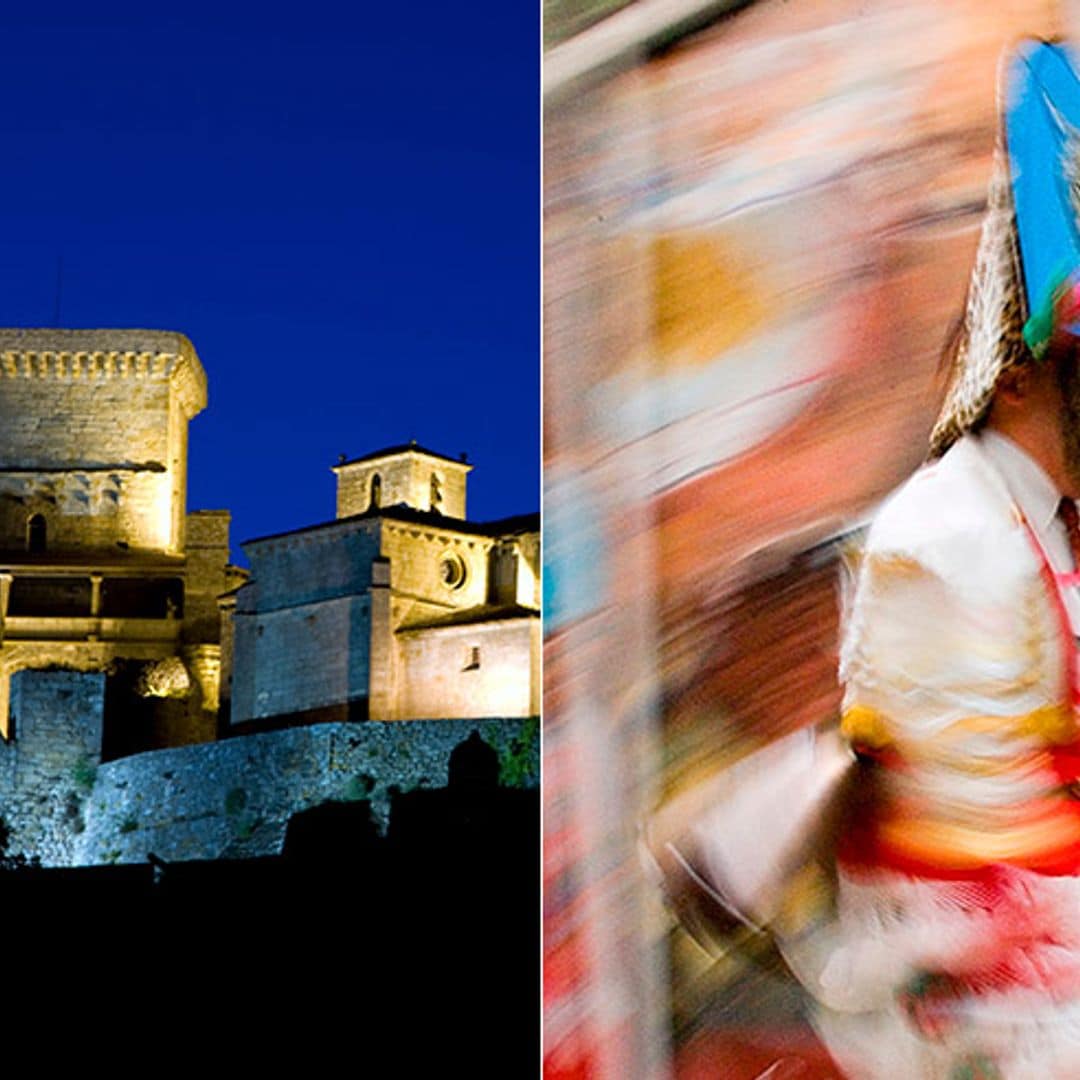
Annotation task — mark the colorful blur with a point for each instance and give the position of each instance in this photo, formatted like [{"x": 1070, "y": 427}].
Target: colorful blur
[{"x": 759, "y": 223}]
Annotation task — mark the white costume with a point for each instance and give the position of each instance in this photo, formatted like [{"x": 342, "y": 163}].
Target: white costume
[{"x": 958, "y": 951}]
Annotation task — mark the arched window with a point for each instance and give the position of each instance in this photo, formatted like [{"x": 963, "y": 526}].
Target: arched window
[
  {"x": 436, "y": 492},
  {"x": 376, "y": 492},
  {"x": 35, "y": 534}
]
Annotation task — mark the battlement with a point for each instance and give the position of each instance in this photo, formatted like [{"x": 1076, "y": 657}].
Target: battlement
[{"x": 106, "y": 354}]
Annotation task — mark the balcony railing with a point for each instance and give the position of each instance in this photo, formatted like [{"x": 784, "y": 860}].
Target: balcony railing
[{"x": 80, "y": 628}]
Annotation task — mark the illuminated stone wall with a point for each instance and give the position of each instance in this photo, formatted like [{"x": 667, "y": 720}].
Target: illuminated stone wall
[
  {"x": 208, "y": 576},
  {"x": 419, "y": 554},
  {"x": 95, "y": 436},
  {"x": 311, "y": 656},
  {"x": 515, "y": 570},
  {"x": 440, "y": 625},
  {"x": 310, "y": 565},
  {"x": 87, "y": 510},
  {"x": 471, "y": 670}
]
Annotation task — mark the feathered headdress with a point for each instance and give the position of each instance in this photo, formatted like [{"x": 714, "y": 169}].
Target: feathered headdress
[{"x": 1024, "y": 296}]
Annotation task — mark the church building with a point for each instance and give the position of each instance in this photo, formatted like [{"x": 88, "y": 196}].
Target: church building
[{"x": 400, "y": 608}]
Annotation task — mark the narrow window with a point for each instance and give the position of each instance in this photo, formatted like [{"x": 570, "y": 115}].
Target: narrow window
[
  {"x": 35, "y": 534},
  {"x": 376, "y": 492},
  {"x": 473, "y": 658},
  {"x": 436, "y": 493}
]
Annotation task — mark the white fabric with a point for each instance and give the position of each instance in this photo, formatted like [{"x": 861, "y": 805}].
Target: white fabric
[
  {"x": 1038, "y": 497},
  {"x": 951, "y": 617},
  {"x": 951, "y": 620},
  {"x": 749, "y": 842}
]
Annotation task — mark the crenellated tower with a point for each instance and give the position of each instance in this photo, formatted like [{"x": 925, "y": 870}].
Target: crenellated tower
[{"x": 95, "y": 568}]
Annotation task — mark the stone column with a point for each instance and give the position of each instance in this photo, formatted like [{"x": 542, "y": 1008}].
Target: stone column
[
  {"x": 204, "y": 664},
  {"x": 227, "y": 614},
  {"x": 5, "y": 703},
  {"x": 94, "y": 633},
  {"x": 5, "y": 595},
  {"x": 381, "y": 697}
]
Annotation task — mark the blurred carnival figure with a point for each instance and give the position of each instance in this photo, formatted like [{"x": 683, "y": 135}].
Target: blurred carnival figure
[{"x": 957, "y": 947}]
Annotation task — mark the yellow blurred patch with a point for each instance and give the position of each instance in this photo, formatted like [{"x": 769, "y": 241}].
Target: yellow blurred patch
[
  {"x": 894, "y": 566},
  {"x": 961, "y": 847},
  {"x": 1055, "y": 724},
  {"x": 705, "y": 297},
  {"x": 864, "y": 725}
]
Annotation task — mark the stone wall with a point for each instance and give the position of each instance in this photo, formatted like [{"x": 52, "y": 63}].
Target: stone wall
[
  {"x": 308, "y": 565},
  {"x": 207, "y": 552},
  {"x": 451, "y": 480},
  {"x": 478, "y": 669},
  {"x": 48, "y": 767},
  {"x": 54, "y": 422},
  {"x": 86, "y": 510},
  {"x": 303, "y": 623},
  {"x": 528, "y": 588},
  {"x": 233, "y": 799},
  {"x": 224, "y": 799},
  {"x": 515, "y": 571},
  {"x": 354, "y": 485},
  {"x": 299, "y": 658},
  {"x": 417, "y": 553}
]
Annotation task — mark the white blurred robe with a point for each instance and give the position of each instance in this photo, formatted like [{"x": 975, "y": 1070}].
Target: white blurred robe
[{"x": 956, "y": 668}]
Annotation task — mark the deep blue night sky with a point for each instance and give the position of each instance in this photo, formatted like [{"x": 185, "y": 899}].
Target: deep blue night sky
[{"x": 338, "y": 204}]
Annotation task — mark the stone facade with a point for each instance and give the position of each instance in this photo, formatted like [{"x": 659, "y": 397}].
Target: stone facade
[
  {"x": 303, "y": 625},
  {"x": 101, "y": 566},
  {"x": 472, "y": 667},
  {"x": 394, "y": 612}
]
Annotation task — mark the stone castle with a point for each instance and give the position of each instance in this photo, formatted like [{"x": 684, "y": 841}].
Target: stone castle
[
  {"x": 101, "y": 568},
  {"x": 124, "y": 629}
]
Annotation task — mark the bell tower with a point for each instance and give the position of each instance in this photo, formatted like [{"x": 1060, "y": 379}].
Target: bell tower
[{"x": 402, "y": 476}]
